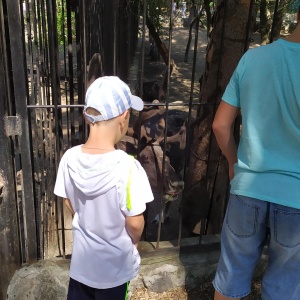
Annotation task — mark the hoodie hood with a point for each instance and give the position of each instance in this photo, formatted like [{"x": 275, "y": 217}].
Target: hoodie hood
[{"x": 95, "y": 174}]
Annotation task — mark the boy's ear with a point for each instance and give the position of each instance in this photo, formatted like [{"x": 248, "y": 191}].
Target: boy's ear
[
  {"x": 128, "y": 113},
  {"x": 125, "y": 114}
]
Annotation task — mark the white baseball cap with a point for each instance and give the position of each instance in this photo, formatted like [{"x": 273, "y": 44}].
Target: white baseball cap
[{"x": 111, "y": 97}]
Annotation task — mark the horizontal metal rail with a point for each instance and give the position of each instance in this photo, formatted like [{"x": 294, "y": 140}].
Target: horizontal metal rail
[{"x": 82, "y": 105}]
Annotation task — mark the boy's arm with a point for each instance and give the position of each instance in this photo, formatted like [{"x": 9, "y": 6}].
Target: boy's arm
[
  {"x": 134, "y": 226},
  {"x": 223, "y": 130},
  {"x": 69, "y": 206}
]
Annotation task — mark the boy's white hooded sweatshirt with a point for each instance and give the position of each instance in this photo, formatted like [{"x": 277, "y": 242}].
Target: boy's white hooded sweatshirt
[{"x": 103, "y": 255}]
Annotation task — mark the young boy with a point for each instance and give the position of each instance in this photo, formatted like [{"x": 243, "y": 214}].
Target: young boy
[{"x": 106, "y": 190}]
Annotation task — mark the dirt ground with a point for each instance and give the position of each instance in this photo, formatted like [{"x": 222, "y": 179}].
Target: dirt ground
[{"x": 203, "y": 292}]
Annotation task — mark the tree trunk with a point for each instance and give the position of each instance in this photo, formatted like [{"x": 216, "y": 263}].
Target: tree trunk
[
  {"x": 265, "y": 22},
  {"x": 206, "y": 191},
  {"x": 277, "y": 20},
  {"x": 162, "y": 48}
]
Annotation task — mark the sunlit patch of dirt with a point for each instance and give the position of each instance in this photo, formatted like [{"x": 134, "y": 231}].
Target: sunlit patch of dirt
[{"x": 175, "y": 294}]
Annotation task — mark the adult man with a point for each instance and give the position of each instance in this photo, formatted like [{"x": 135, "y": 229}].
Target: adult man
[{"x": 264, "y": 172}]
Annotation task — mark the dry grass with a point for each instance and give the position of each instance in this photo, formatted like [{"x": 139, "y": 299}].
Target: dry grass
[
  {"x": 144, "y": 294},
  {"x": 205, "y": 291}
]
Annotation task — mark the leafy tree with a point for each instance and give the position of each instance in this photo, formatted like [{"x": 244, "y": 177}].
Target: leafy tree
[
  {"x": 62, "y": 21},
  {"x": 272, "y": 15}
]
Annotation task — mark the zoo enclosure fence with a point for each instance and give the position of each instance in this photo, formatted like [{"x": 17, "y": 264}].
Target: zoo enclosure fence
[{"x": 44, "y": 51}]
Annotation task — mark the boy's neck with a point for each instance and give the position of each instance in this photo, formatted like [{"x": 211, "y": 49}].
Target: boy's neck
[
  {"x": 96, "y": 148},
  {"x": 105, "y": 134},
  {"x": 99, "y": 141}
]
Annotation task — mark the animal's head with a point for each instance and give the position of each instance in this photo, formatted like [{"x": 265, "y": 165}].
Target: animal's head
[{"x": 94, "y": 69}]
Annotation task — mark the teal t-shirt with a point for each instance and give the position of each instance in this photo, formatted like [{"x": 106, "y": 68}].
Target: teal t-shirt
[{"x": 266, "y": 86}]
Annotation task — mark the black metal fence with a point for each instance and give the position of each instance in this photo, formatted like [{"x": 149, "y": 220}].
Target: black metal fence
[{"x": 45, "y": 48}]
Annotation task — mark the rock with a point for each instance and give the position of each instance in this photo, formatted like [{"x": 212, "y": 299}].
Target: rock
[{"x": 46, "y": 279}]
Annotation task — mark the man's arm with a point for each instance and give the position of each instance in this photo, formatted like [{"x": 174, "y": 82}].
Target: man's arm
[
  {"x": 134, "y": 226},
  {"x": 223, "y": 129},
  {"x": 69, "y": 206}
]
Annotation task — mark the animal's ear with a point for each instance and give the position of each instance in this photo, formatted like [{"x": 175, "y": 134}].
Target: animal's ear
[{"x": 95, "y": 69}]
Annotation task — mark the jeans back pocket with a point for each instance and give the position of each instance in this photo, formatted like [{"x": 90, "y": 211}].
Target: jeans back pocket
[
  {"x": 241, "y": 216},
  {"x": 286, "y": 227}
]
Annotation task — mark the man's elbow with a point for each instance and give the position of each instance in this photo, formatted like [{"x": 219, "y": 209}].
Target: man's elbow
[
  {"x": 214, "y": 126},
  {"x": 218, "y": 127}
]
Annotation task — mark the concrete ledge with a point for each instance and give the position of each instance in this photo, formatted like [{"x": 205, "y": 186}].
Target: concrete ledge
[{"x": 161, "y": 270}]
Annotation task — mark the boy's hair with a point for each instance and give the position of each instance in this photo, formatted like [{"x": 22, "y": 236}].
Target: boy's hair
[{"x": 108, "y": 97}]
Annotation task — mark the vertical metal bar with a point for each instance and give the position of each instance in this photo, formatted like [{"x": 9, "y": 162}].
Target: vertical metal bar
[
  {"x": 43, "y": 85},
  {"x": 10, "y": 254},
  {"x": 46, "y": 79},
  {"x": 141, "y": 91},
  {"x": 81, "y": 68},
  {"x": 143, "y": 48},
  {"x": 115, "y": 44},
  {"x": 52, "y": 35},
  {"x": 186, "y": 156},
  {"x": 247, "y": 40},
  {"x": 84, "y": 42},
  {"x": 82, "y": 63},
  {"x": 79, "y": 45},
  {"x": 166, "y": 125},
  {"x": 67, "y": 121},
  {"x": 20, "y": 93},
  {"x": 35, "y": 118},
  {"x": 29, "y": 51},
  {"x": 6, "y": 51},
  {"x": 51, "y": 168},
  {"x": 70, "y": 67},
  {"x": 63, "y": 33},
  {"x": 41, "y": 132},
  {"x": 273, "y": 23}
]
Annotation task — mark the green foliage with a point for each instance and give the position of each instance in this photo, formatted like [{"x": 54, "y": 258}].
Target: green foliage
[
  {"x": 154, "y": 10},
  {"x": 294, "y": 6},
  {"x": 61, "y": 15},
  {"x": 159, "y": 10}
]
